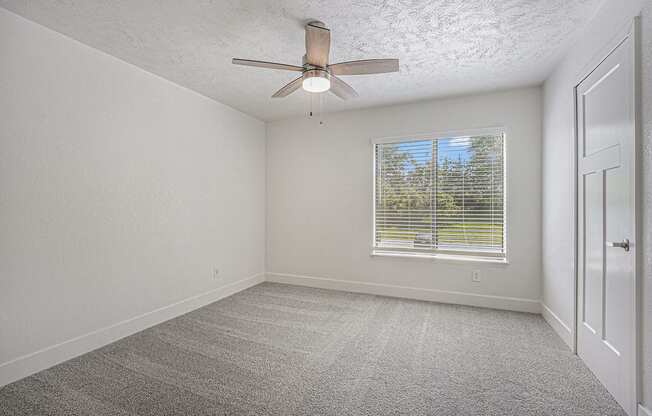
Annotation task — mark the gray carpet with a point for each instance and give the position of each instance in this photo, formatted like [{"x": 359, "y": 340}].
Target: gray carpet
[{"x": 286, "y": 350}]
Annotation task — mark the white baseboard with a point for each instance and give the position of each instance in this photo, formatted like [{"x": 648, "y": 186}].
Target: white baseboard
[
  {"x": 558, "y": 325},
  {"x": 433, "y": 295},
  {"x": 47, "y": 357},
  {"x": 644, "y": 411}
]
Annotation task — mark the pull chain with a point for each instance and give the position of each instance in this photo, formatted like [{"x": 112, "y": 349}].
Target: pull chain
[
  {"x": 321, "y": 113},
  {"x": 311, "y": 97},
  {"x": 319, "y": 106}
]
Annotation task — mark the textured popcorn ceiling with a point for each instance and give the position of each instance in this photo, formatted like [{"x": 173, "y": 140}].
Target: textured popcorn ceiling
[{"x": 446, "y": 47}]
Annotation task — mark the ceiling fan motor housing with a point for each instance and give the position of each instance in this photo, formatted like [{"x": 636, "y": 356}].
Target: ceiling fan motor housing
[{"x": 316, "y": 73}]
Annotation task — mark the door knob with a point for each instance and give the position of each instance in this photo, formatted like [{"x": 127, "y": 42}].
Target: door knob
[{"x": 624, "y": 244}]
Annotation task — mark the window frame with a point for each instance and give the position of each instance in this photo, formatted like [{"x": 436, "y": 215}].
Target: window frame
[{"x": 471, "y": 256}]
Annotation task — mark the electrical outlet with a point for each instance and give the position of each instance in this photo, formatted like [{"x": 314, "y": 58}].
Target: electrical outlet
[
  {"x": 216, "y": 274},
  {"x": 475, "y": 275}
]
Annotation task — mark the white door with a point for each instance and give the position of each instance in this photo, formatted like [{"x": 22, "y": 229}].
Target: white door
[{"x": 606, "y": 304}]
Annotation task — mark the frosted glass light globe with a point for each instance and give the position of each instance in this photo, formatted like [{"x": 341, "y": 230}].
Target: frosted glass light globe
[{"x": 316, "y": 81}]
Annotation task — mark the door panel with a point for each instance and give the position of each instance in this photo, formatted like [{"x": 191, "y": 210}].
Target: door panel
[
  {"x": 616, "y": 260},
  {"x": 603, "y": 121},
  {"x": 594, "y": 237},
  {"x": 606, "y": 330}
]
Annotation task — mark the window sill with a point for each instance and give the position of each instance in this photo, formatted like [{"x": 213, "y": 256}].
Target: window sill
[{"x": 453, "y": 258}]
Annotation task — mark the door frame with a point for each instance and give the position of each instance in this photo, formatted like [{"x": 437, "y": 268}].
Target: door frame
[{"x": 631, "y": 30}]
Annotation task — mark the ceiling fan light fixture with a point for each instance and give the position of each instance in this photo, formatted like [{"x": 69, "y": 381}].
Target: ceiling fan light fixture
[{"x": 316, "y": 81}]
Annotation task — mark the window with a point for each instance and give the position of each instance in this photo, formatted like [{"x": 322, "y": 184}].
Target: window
[{"x": 441, "y": 195}]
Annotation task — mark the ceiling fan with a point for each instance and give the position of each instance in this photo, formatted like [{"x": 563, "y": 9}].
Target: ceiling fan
[{"x": 317, "y": 75}]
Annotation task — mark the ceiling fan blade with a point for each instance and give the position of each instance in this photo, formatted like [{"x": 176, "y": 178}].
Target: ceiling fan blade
[
  {"x": 270, "y": 65},
  {"x": 289, "y": 88},
  {"x": 342, "y": 89},
  {"x": 318, "y": 44},
  {"x": 365, "y": 66}
]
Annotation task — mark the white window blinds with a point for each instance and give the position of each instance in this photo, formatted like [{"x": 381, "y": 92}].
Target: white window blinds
[{"x": 441, "y": 195}]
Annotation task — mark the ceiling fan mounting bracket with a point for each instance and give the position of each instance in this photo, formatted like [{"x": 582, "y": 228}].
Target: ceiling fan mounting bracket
[{"x": 317, "y": 23}]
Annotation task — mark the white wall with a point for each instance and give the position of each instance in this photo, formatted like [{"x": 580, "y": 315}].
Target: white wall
[
  {"x": 558, "y": 282},
  {"x": 119, "y": 193},
  {"x": 320, "y": 201}
]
